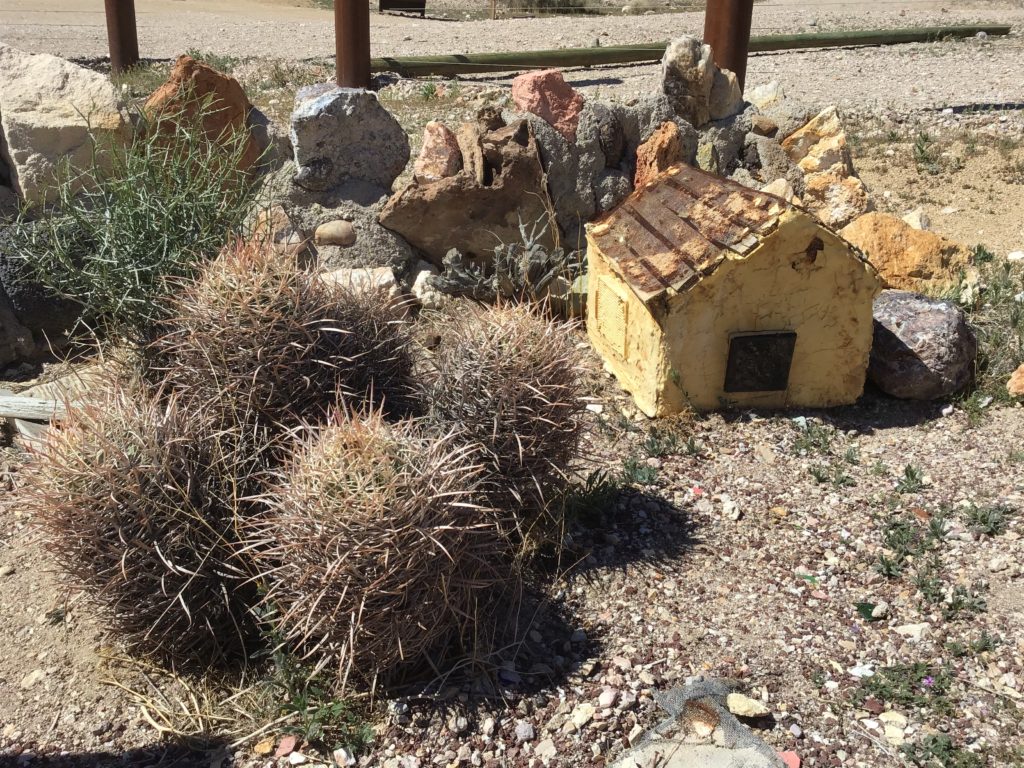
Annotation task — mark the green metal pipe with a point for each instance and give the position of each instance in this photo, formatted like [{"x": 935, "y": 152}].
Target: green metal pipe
[{"x": 464, "y": 64}]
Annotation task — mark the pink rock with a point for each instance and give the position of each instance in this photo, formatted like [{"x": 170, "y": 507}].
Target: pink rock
[
  {"x": 547, "y": 95},
  {"x": 791, "y": 759},
  {"x": 440, "y": 156},
  {"x": 286, "y": 746}
]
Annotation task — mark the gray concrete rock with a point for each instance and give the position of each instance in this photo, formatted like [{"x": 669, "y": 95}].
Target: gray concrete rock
[
  {"x": 767, "y": 161},
  {"x": 9, "y": 204},
  {"x": 642, "y": 119},
  {"x": 357, "y": 202},
  {"x": 50, "y": 111},
  {"x": 728, "y": 137},
  {"x": 272, "y": 140},
  {"x": 923, "y": 349},
  {"x": 344, "y": 134}
]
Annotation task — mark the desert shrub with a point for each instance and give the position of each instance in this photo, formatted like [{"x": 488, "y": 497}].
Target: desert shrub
[
  {"x": 140, "y": 214},
  {"x": 996, "y": 312},
  {"x": 508, "y": 380},
  {"x": 266, "y": 341},
  {"x": 375, "y": 551},
  {"x": 139, "y": 501}
]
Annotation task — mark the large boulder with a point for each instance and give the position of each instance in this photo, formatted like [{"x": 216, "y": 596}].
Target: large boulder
[
  {"x": 462, "y": 213},
  {"x": 342, "y": 135},
  {"x": 50, "y": 112},
  {"x": 907, "y": 258},
  {"x": 546, "y": 94},
  {"x": 768, "y": 162},
  {"x": 923, "y": 349},
  {"x": 196, "y": 91}
]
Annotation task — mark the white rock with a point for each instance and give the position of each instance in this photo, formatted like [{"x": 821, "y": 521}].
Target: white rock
[
  {"x": 861, "y": 670},
  {"x": 47, "y": 108},
  {"x": 365, "y": 279},
  {"x": 918, "y": 219},
  {"x": 998, "y": 564},
  {"x": 767, "y": 95},
  {"x": 32, "y": 678},
  {"x": 546, "y": 749},
  {"x": 915, "y": 632},
  {"x": 607, "y": 698},
  {"x": 880, "y": 611},
  {"x": 583, "y": 714},
  {"x": 1015, "y": 256},
  {"x": 342, "y": 758},
  {"x": 426, "y": 294},
  {"x": 744, "y": 706},
  {"x": 297, "y": 758}
]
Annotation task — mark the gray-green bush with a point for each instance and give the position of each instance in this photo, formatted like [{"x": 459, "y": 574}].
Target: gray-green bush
[{"x": 151, "y": 210}]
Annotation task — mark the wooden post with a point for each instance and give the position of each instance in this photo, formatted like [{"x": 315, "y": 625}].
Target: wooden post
[
  {"x": 727, "y": 31},
  {"x": 494, "y": 9},
  {"x": 122, "y": 36},
  {"x": 352, "y": 43}
]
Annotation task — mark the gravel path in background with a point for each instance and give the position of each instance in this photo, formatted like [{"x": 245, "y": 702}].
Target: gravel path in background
[{"x": 904, "y": 77}]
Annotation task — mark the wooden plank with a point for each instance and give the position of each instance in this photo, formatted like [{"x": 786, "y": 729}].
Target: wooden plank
[{"x": 31, "y": 408}]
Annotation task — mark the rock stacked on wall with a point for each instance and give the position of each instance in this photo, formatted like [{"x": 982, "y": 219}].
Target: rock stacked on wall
[{"x": 51, "y": 111}]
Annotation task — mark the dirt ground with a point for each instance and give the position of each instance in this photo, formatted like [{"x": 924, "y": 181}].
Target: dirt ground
[{"x": 730, "y": 557}]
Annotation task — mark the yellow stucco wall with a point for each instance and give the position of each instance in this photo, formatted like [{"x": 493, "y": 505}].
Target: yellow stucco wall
[{"x": 679, "y": 353}]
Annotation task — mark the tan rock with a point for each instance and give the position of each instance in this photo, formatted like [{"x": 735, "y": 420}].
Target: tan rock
[
  {"x": 440, "y": 156},
  {"x": 470, "y": 140},
  {"x": 273, "y": 228},
  {"x": 365, "y": 279},
  {"x": 820, "y": 146},
  {"x": 687, "y": 77},
  {"x": 780, "y": 188},
  {"x": 1015, "y": 386},
  {"x": 907, "y": 258},
  {"x": 834, "y": 198},
  {"x": 192, "y": 85},
  {"x": 762, "y": 125},
  {"x": 338, "y": 232},
  {"x": 663, "y": 150},
  {"x": 744, "y": 706},
  {"x": 50, "y": 111},
  {"x": 726, "y": 97},
  {"x": 918, "y": 219},
  {"x": 464, "y": 213}
]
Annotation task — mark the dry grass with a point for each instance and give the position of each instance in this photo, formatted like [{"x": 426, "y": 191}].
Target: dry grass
[
  {"x": 139, "y": 500},
  {"x": 509, "y": 380},
  {"x": 376, "y": 551},
  {"x": 268, "y": 342}
]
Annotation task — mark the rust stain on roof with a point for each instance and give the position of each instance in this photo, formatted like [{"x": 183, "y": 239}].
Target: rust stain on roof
[{"x": 678, "y": 227}]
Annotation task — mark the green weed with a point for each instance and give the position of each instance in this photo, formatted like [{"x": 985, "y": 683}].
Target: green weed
[
  {"x": 915, "y": 685},
  {"x": 912, "y": 480},
  {"x": 638, "y": 472},
  {"x": 987, "y": 520},
  {"x": 220, "y": 62},
  {"x": 939, "y": 751}
]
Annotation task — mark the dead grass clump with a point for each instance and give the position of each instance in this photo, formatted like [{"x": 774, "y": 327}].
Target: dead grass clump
[
  {"x": 508, "y": 379},
  {"x": 138, "y": 501},
  {"x": 261, "y": 337},
  {"x": 375, "y": 552}
]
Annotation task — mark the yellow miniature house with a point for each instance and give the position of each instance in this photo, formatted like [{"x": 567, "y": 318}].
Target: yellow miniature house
[{"x": 703, "y": 292}]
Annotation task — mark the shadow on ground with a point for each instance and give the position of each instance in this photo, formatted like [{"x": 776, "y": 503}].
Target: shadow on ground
[{"x": 208, "y": 754}]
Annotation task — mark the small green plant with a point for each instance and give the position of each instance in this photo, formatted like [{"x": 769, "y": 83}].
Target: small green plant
[
  {"x": 963, "y": 601},
  {"x": 938, "y": 751},
  {"x": 139, "y": 218},
  {"x": 908, "y": 685},
  {"x": 311, "y": 710},
  {"x": 879, "y": 468},
  {"x": 820, "y": 474},
  {"x": 1015, "y": 456},
  {"x": 693, "y": 447},
  {"x": 982, "y": 255},
  {"x": 429, "y": 91},
  {"x": 987, "y": 520},
  {"x": 912, "y": 480},
  {"x": 833, "y": 474},
  {"x": 638, "y": 472},
  {"x": 890, "y": 567},
  {"x": 661, "y": 441},
  {"x": 984, "y": 643},
  {"x": 926, "y": 154},
  {"x": 852, "y": 455},
  {"x": 521, "y": 271},
  {"x": 220, "y": 62},
  {"x": 589, "y": 502},
  {"x": 813, "y": 438},
  {"x": 928, "y": 580}
]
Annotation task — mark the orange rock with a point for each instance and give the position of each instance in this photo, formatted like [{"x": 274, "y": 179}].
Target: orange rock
[
  {"x": 193, "y": 84},
  {"x": 1015, "y": 386},
  {"x": 440, "y": 156},
  {"x": 907, "y": 258},
  {"x": 663, "y": 150}
]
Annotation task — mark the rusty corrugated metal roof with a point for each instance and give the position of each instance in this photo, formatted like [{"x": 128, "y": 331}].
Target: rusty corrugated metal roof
[{"x": 675, "y": 229}]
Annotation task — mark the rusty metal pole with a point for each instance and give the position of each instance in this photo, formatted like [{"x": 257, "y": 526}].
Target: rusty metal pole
[
  {"x": 727, "y": 31},
  {"x": 352, "y": 43},
  {"x": 122, "y": 37}
]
